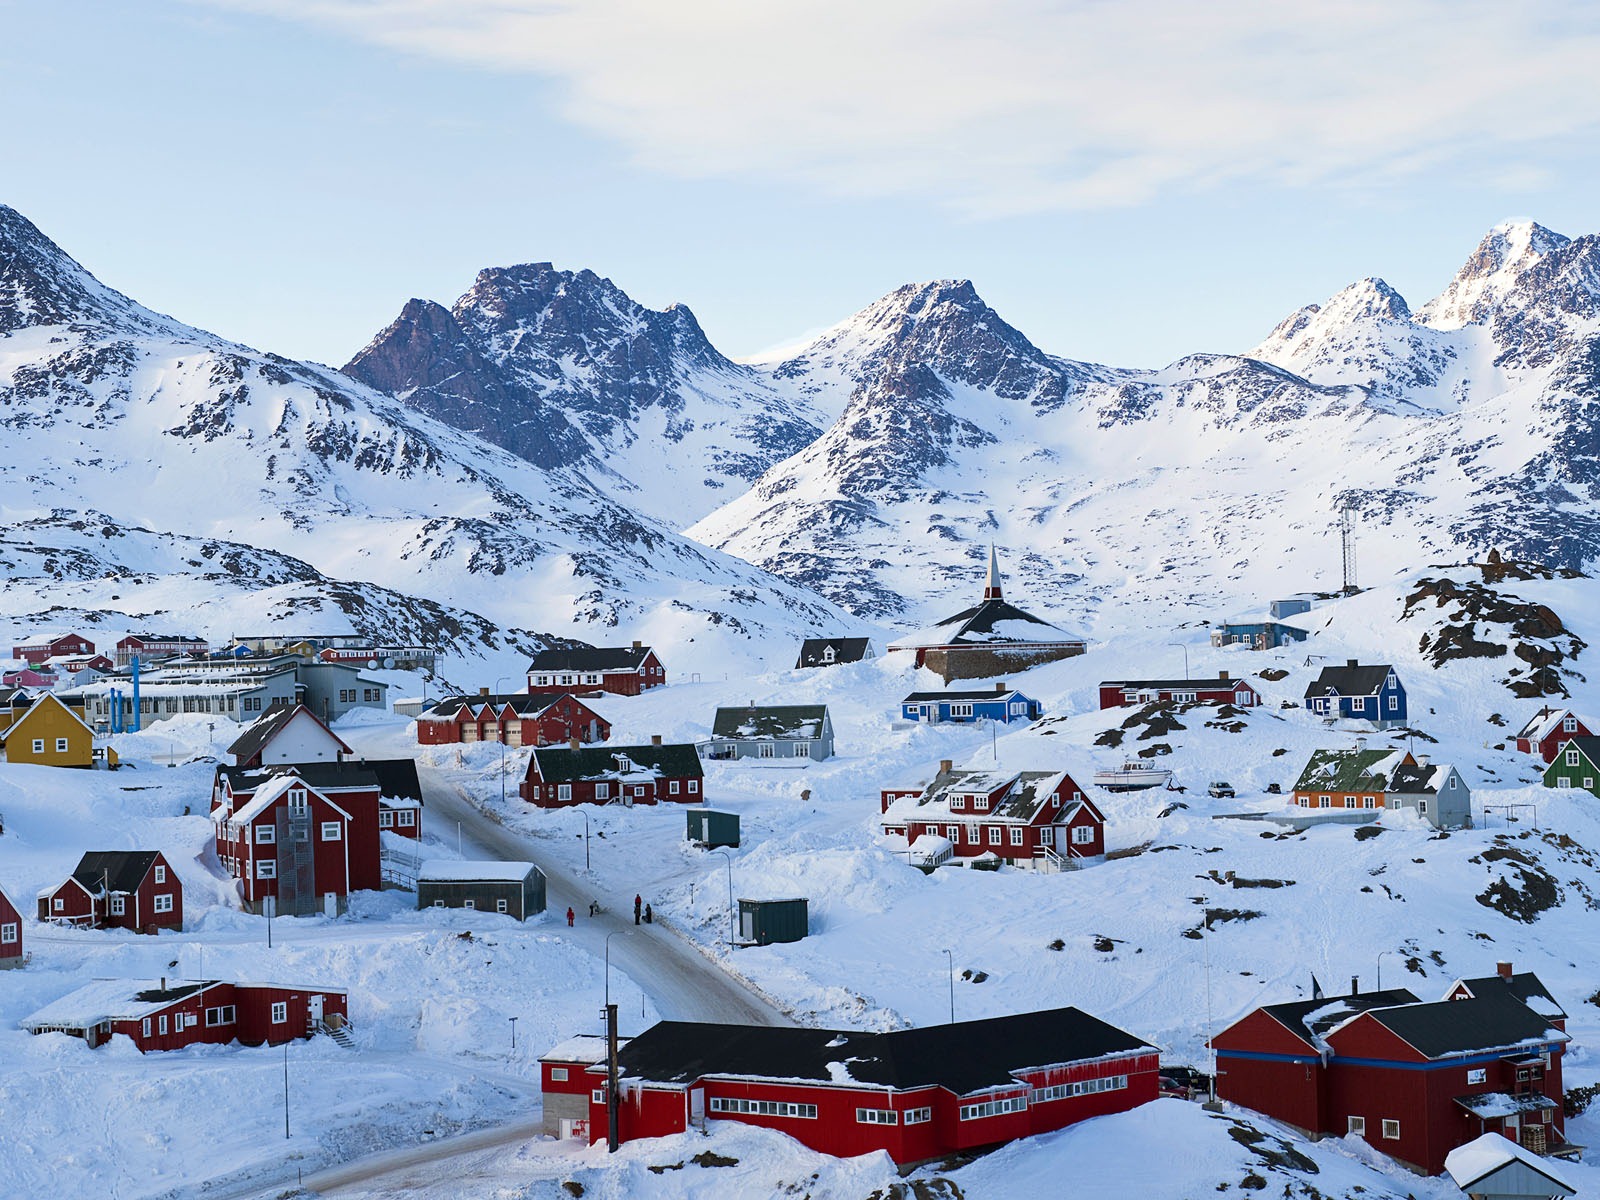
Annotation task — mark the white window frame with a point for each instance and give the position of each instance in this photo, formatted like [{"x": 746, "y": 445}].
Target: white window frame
[
  {"x": 1391, "y": 1129},
  {"x": 161, "y": 903},
  {"x": 280, "y": 1012},
  {"x": 602, "y": 791},
  {"x": 877, "y": 1116},
  {"x": 38, "y": 745},
  {"x": 408, "y": 818},
  {"x": 1356, "y": 1125},
  {"x": 61, "y": 745},
  {"x": 500, "y": 905},
  {"x": 1082, "y": 835},
  {"x": 119, "y": 906},
  {"x": 694, "y": 787},
  {"x": 265, "y": 835},
  {"x": 161, "y": 874},
  {"x": 8, "y": 934},
  {"x": 672, "y": 787},
  {"x": 1016, "y": 835},
  {"x": 385, "y": 819},
  {"x": 563, "y": 791},
  {"x": 332, "y": 831},
  {"x": 917, "y": 1116},
  {"x": 266, "y": 869}
]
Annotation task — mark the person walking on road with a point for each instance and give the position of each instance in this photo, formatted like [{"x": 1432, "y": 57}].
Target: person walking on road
[
  {"x": 638, "y": 903},
  {"x": 570, "y": 916},
  {"x": 649, "y": 917}
]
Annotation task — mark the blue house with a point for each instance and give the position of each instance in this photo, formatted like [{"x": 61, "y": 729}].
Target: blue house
[
  {"x": 1256, "y": 633},
  {"x": 1002, "y": 704},
  {"x": 1358, "y": 693}
]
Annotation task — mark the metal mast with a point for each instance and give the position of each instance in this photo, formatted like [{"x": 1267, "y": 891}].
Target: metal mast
[{"x": 1347, "y": 535}]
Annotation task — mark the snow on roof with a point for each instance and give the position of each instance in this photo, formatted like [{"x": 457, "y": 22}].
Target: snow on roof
[
  {"x": 581, "y": 1048},
  {"x": 1543, "y": 723},
  {"x": 111, "y": 999},
  {"x": 1483, "y": 1156},
  {"x": 450, "y": 870}
]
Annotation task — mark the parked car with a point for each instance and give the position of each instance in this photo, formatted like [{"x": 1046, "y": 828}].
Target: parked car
[
  {"x": 1221, "y": 790},
  {"x": 1274, "y": 789}
]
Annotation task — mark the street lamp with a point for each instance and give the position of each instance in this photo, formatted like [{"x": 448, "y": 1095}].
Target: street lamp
[
  {"x": 585, "y": 814},
  {"x": 1184, "y": 647},
  {"x": 729, "y": 857},
  {"x": 951, "y": 960},
  {"x": 609, "y": 936},
  {"x": 513, "y": 1035},
  {"x": 1381, "y": 953}
]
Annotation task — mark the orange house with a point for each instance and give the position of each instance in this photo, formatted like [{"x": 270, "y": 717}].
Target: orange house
[{"x": 49, "y": 734}]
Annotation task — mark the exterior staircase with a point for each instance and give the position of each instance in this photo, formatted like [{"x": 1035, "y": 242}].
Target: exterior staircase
[{"x": 338, "y": 1030}]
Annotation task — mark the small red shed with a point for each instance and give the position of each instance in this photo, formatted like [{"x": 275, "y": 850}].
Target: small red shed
[{"x": 117, "y": 889}]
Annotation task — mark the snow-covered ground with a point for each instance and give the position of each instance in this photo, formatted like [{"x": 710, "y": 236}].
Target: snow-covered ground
[{"x": 1122, "y": 938}]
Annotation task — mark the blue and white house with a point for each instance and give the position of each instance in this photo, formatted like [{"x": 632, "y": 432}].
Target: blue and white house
[
  {"x": 1002, "y": 704},
  {"x": 1359, "y": 693}
]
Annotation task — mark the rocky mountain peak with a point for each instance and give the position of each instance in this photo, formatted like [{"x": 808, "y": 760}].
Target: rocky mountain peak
[
  {"x": 41, "y": 284},
  {"x": 1506, "y": 252}
]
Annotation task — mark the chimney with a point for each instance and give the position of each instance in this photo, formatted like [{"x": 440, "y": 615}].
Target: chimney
[
  {"x": 483, "y": 691},
  {"x": 1503, "y": 969},
  {"x": 1000, "y": 689},
  {"x": 1422, "y": 759},
  {"x": 1350, "y": 662},
  {"x": 163, "y": 983},
  {"x": 1361, "y": 744},
  {"x": 574, "y": 744},
  {"x": 945, "y": 764},
  {"x": 1355, "y": 985},
  {"x": 638, "y": 645},
  {"x": 1222, "y": 675},
  {"x": 655, "y": 739}
]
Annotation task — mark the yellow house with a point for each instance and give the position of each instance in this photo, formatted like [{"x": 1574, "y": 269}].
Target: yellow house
[{"x": 49, "y": 734}]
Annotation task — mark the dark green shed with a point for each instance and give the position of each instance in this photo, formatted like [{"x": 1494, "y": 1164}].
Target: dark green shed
[
  {"x": 762, "y": 922},
  {"x": 711, "y": 828}
]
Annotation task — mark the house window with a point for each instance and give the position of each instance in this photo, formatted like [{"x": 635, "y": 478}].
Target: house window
[
  {"x": 119, "y": 906},
  {"x": 469, "y": 903},
  {"x": 953, "y": 832},
  {"x": 221, "y": 1015},
  {"x": 602, "y": 791},
  {"x": 59, "y": 904},
  {"x": 558, "y": 1074},
  {"x": 961, "y": 710},
  {"x": 145, "y": 1027},
  {"x": 161, "y": 873},
  {"x": 8, "y": 934},
  {"x": 1324, "y": 801},
  {"x": 1369, "y": 802},
  {"x": 330, "y": 831},
  {"x": 638, "y": 791},
  {"x": 802, "y": 749},
  {"x": 1588, "y": 782},
  {"x": 266, "y": 869},
  {"x": 162, "y": 903},
  {"x": 994, "y": 835},
  {"x": 1016, "y": 836},
  {"x": 385, "y": 820},
  {"x": 598, "y": 1095},
  {"x": 161, "y": 1023},
  {"x": 280, "y": 1011},
  {"x": 1422, "y": 807},
  {"x": 1572, "y": 758},
  {"x": 1391, "y": 1130},
  {"x": 767, "y": 750},
  {"x": 1569, "y": 724},
  {"x": 38, "y": 745},
  {"x": 981, "y": 803},
  {"x": 918, "y": 1116},
  {"x": 61, "y": 745},
  {"x": 563, "y": 791},
  {"x": 672, "y": 787},
  {"x": 694, "y": 786},
  {"x": 1082, "y": 835},
  {"x": 877, "y": 1116},
  {"x": 265, "y": 835},
  {"x": 500, "y": 906},
  {"x": 1563, "y": 781},
  {"x": 974, "y": 835},
  {"x": 407, "y": 817},
  {"x": 1356, "y": 1125},
  {"x": 369, "y": 695},
  {"x": 763, "y": 1108},
  {"x": 1394, "y": 706},
  {"x": 993, "y": 1108},
  {"x": 958, "y": 803}
]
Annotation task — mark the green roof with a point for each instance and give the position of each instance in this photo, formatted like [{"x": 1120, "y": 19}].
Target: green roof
[
  {"x": 1348, "y": 771},
  {"x": 556, "y": 764}
]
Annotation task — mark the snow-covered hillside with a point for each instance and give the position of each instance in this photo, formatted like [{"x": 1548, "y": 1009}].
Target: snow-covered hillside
[{"x": 110, "y": 409}]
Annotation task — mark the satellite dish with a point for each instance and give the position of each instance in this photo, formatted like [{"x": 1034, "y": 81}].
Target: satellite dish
[
  {"x": 388, "y": 664},
  {"x": 372, "y": 664}
]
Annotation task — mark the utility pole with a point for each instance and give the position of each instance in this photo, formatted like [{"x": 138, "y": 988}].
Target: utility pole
[
  {"x": 951, "y": 961},
  {"x": 1347, "y": 538},
  {"x": 285, "y": 1089},
  {"x": 612, "y": 1140}
]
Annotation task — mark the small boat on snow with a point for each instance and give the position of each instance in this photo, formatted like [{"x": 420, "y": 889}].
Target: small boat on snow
[{"x": 1133, "y": 777}]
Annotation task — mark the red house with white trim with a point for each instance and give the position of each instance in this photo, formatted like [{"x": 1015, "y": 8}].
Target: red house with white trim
[
  {"x": 1024, "y": 818},
  {"x": 393, "y": 780},
  {"x": 40, "y": 649},
  {"x": 11, "y": 954},
  {"x": 1127, "y": 693},
  {"x": 620, "y": 670},
  {"x": 1413, "y": 1079},
  {"x": 117, "y": 889},
  {"x": 559, "y": 777},
  {"x": 1548, "y": 730},
  {"x": 916, "y": 1094},
  {"x": 152, "y": 647},
  {"x": 304, "y": 847},
  {"x": 169, "y": 1015},
  {"x": 516, "y": 720}
]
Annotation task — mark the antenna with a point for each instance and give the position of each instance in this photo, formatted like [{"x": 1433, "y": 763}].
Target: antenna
[{"x": 1347, "y": 536}]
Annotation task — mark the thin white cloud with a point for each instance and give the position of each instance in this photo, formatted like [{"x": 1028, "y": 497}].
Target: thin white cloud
[{"x": 1021, "y": 105}]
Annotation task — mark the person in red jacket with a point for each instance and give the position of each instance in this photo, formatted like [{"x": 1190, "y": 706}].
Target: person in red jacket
[{"x": 570, "y": 916}]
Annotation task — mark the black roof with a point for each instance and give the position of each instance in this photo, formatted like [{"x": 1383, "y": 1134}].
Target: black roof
[
  {"x": 266, "y": 727},
  {"x": 119, "y": 870},
  {"x": 991, "y": 694},
  {"x": 978, "y": 622},
  {"x": 845, "y": 650},
  {"x": 1412, "y": 778},
  {"x": 522, "y": 703},
  {"x": 1192, "y": 685},
  {"x": 1525, "y": 986},
  {"x": 177, "y": 991},
  {"x": 964, "y": 1057},
  {"x": 1330, "y": 1010},
  {"x": 562, "y": 764},
  {"x": 396, "y": 778},
  {"x": 1350, "y": 680},
  {"x": 1589, "y": 747},
  {"x": 591, "y": 658},
  {"x": 1489, "y": 1021}
]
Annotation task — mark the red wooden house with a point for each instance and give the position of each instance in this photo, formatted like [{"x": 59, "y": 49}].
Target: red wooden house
[
  {"x": 566, "y": 1084},
  {"x": 916, "y": 1094},
  {"x": 290, "y": 733},
  {"x": 117, "y": 889},
  {"x": 653, "y": 774},
  {"x": 1024, "y": 818},
  {"x": 152, "y": 647},
  {"x": 11, "y": 954},
  {"x": 621, "y": 670},
  {"x": 304, "y": 847},
  {"x": 1413, "y": 1079},
  {"x": 1126, "y": 693},
  {"x": 395, "y": 780},
  {"x": 169, "y": 1015},
  {"x": 42, "y": 648},
  {"x": 516, "y": 720},
  {"x": 1550, "y": 729}
]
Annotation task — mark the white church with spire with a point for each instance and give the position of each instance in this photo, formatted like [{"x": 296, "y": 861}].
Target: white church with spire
[{"x": 992, "y": 638}]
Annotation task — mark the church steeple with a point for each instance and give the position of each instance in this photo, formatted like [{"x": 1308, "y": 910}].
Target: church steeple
[{"x": 992, "y": 590}]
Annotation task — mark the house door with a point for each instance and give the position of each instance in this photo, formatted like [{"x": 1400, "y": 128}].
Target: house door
[
  {"x": 314, "y": 1011},
  {"x": 747, "y": 926},
  {"x": 330, "y": 904},
  {"x": 697, "y": 1108}
]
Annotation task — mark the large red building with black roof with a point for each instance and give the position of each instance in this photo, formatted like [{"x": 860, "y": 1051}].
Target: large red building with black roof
[
  {"x": 915, "y": 1094},
  {"x": 589, "y": 670}
]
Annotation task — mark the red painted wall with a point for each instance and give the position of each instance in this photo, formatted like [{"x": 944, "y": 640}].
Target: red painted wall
[
  {"x": 79, "y": 907},
  {"x": 1292, "y": 1092},
  {"x": 9, "y": 916},
  {"x": 142, "y": 917}
]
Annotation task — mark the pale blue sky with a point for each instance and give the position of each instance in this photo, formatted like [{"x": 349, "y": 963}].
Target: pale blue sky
[{"x": 1126, "y": 183}]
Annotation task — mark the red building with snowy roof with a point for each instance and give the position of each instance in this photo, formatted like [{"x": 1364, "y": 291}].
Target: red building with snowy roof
[
  {"x": 516, "y": 720},
  {"x": 1548, "y": 730},
  {"x": 916, "y": 1094}
]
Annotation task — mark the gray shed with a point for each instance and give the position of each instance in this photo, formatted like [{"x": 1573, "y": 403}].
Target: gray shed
[
  {"x": 513, "y": 888},
  {"x": 711, "y": 828},
  {"x": 762, "y": 922},
  {"x": 1493, "y": 1167}
]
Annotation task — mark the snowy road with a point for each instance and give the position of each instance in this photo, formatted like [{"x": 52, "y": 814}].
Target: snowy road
[{"x": 683, "y": 983}]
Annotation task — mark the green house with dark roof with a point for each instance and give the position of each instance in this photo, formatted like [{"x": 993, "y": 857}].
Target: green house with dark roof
[
  {"x": 1576, "y": 765},
  {"x": 789, "y": 733},
  {"x": 561, "y": 776}
]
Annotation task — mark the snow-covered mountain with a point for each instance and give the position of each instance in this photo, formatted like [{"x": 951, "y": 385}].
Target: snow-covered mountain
[
  {"x": 565, "y": 370},
  {"x": 1214, "y": 481},
  {"x": 190, "y": 440}
]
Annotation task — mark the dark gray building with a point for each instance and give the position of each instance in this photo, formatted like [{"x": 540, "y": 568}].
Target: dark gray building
[
  {"x": 775, "y": 731},
  {"x": 711, "y": 828},
  {"x": 762, "y": 922},
  {"x": 513, "y": 888}
]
